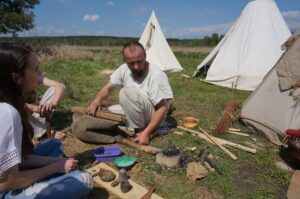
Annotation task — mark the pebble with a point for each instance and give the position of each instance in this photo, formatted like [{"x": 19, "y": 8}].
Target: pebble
[{"x": 283, "y": 166}]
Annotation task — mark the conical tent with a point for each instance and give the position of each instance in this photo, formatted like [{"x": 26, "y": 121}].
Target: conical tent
[
  {"x": 157, "y": 48},
  {"x": 271, "y": 109},
  {"x": 249, "y": 49}
]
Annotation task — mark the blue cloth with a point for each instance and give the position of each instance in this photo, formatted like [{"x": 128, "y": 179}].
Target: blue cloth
[
  {"x": 65, "y": 186},
  {"x": 71, "y": 185},
  {"x": 49, "y": 147}
]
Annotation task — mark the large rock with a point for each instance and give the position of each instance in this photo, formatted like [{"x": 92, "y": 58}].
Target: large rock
[
  {"x": 94, "y": 130},
  {"x": 195, "y": 171},
  {"x": 169, "y": 161}
]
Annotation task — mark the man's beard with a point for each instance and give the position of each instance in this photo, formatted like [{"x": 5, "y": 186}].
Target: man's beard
[{"x": 138, "y": 74}]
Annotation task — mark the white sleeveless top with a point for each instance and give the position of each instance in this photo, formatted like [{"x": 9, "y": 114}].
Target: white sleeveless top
[{"x": 10, "y": 137}]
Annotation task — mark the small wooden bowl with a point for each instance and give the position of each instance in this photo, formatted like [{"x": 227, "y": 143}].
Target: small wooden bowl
[
  {"x": 106, "y": 175},
  {"x": 189, "y": 125},
  {"x": 190, "y": 119}
]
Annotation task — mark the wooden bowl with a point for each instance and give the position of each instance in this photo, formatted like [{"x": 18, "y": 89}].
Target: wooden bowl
[
  {"x": 189, "y": 125},
  {"x": 106, "y": 175},
  {"x": 190, "y": 119}
]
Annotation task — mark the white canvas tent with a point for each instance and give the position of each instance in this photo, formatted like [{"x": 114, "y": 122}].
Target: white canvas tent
[
  {"x": 157, "y": 48},
  {"x": 271, "y": 109},
  {"x": 249, "y": 49}
]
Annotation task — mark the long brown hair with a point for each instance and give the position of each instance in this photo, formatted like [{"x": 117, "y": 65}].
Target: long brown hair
[{"x": 13, "y": 58}]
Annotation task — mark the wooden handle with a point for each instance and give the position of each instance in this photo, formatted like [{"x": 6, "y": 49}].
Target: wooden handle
[
  {"x": 146, "y": 148},
  {"x": 219, "y": 145},
  {"x": 148, "y": 194},
  {"x": 101, "y": 114},
  {"x": 221, "y": 141}
]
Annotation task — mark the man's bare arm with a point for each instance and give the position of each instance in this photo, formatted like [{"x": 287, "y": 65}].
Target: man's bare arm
[
  {"x": 159, "y": 114},
  {"x": 102, "y": 95}
]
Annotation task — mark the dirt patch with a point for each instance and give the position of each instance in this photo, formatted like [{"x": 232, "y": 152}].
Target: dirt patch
[
  {"x": 250, "y": 177},
  {"x": 204, "y": 193},
  {"x": 84, "y": 152}
]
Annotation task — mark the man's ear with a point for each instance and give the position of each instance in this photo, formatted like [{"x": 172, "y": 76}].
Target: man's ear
[{"x": 17, "y": 78}]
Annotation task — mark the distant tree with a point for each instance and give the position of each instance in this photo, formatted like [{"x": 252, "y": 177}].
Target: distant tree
[
  {"x": 16, "y": 15},
  {"x": 221, "y": 37},
  {"x": 206, "y": 41},
  {"x": 214, "y": 39}
]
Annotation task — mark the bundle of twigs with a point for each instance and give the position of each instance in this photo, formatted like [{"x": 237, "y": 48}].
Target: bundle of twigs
[{"x": 228, "y": 114}]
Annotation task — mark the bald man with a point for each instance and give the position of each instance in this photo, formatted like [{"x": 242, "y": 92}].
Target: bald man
[{"x": 145, "y": 96}]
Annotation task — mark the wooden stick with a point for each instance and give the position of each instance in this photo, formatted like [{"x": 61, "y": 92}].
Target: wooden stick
[
  {"x": 221, "y": 141},
  {"x": 101, "y": 114},
  {"x": 233, "y": 129},
  {"x": 219, "y": 145},
  {"x": 146, "y": 148},
  {"x": 237, "y": 133}
]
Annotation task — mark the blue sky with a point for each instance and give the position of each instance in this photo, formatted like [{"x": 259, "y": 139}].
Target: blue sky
[{"x": 178, "y": 18}]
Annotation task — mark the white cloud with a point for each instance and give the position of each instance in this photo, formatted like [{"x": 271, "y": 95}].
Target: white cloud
[
  {"x": 110, "y": 3},
  {"x": 49, "y": 30},
  {"x": 292, "y": 18},
  {"x": 291, "y": 14},
  {"x": 53, "y": 30},
  {"x": 99, "y": 33},
  {"x": 165, "y": 29},
  {"x": 142, "y": 8},
  {"x": 91, "y": 18},
  {"x": 198, "y": 32}
]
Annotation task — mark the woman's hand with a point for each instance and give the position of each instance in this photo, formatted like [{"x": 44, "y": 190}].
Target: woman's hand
[
  {"x": 32, "y": 108},
  {"x": 67, "y": 165},
  {"x": 46, "y": 109}
]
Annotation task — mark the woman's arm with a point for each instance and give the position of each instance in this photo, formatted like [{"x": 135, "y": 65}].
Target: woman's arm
[
  {"x": 37, "y": 161},
  {"x": 13, "y": 178},
  {"x": 59, "y": 90},
  {"x": 32, "y": 108},
  {"x": 47, "y": 108}
]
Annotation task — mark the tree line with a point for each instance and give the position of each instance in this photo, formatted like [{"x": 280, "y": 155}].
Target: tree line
[
  {"x": 107, "y": 40},
  {"x": 17, "y": 16}
]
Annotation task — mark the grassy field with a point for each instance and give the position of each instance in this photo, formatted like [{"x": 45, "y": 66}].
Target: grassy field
[{"x": 251, "y": 176}]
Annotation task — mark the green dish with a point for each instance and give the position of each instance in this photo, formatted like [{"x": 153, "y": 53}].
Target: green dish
[{"x": 125, "y": 161}]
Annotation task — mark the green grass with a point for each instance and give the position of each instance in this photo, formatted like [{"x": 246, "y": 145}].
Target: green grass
[{"x": 251, "y": 176}]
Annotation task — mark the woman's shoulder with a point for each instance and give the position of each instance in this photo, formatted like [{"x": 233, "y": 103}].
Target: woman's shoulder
[{"x": 8, "y": 111}]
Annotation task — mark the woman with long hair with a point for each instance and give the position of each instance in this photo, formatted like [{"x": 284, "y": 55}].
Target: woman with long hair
[{"x": 22, "y": 173}]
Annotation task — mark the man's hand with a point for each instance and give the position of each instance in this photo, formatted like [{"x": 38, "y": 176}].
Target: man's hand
[
  {"x": 92, "y": 108},
  {"x": 141, "y": 138},
  {"x": 46, "y": 109}
]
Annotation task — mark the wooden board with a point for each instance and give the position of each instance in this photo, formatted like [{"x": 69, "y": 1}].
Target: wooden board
[
  {"x": 137, "y": 190},
  {"x": 294, "y": 187}
]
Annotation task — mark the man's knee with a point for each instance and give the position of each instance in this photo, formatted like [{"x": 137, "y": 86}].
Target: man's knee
[{"x": 128, "y": 95}]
